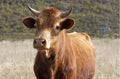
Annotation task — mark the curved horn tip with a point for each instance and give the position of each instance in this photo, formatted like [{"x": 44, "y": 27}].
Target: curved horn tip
[
  {"x": 35, "y": 12},
  {"x": 65, "y": 14}
]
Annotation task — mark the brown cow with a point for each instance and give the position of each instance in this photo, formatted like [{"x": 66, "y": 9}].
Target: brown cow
[{"x": 61, "y": 55}]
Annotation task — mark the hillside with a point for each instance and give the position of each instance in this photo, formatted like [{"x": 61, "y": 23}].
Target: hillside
[{"x": 98, "y": 18}]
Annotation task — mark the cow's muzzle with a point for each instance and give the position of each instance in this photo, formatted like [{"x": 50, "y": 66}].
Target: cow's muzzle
[{"x": 39, "y": 43}]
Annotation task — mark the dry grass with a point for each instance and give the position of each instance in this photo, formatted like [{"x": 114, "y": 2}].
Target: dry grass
[
  {"x": 107, "y": 59},
  {"x": 17, "y": 58}
]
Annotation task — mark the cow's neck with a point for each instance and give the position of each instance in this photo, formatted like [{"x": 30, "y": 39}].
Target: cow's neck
[
  {"x": 64, "y": 52},
  {"x": 49, "y": 56},
  {"x": 51, "y": 60}
]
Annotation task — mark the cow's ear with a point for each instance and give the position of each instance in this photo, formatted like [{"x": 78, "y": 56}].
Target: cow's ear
[
  {"x": 67, "y": 23},
  {"x": 29, "y": 22}
]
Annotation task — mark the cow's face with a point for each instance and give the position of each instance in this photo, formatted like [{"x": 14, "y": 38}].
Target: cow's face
[{"x": 48, "y": 25}]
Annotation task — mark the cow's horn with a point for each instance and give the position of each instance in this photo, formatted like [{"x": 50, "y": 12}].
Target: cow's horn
[
  {"x": 65, "y": 14},
  {"x": 35, "y": 12}
]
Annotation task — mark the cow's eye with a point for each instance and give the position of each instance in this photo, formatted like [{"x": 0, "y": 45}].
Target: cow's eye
[{"x": 57, "y": 27}]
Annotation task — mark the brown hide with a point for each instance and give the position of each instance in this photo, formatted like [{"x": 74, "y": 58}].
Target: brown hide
[
  {"x": 61, "y": 55},
  {"x": 73, "y": 58}
]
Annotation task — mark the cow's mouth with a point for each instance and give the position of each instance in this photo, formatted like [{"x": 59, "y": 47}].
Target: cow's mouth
[
  {"x": 45, "y": 51},
  {"x": 41, "y": 48}
]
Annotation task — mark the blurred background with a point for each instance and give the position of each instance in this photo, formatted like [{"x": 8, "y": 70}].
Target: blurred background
[{"x": 99, "y": 18}]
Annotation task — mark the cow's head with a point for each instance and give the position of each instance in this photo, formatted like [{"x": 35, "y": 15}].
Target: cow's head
[{"x": 48, "y": 24}]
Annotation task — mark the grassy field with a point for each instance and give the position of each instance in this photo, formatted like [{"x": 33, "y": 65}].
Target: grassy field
[{"x": 17, "y": 59}]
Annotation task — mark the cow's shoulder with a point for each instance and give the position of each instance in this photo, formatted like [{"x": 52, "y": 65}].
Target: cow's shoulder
[{"x": 81, "y": 35}]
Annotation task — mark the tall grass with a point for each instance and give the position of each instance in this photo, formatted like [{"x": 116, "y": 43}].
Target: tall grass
[
  {"x": 107, "y": 59},
  {"x": 17, "y": 59}
]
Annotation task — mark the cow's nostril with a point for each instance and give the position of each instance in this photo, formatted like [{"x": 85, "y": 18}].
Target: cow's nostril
[{"x": 43, "y": 42}]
